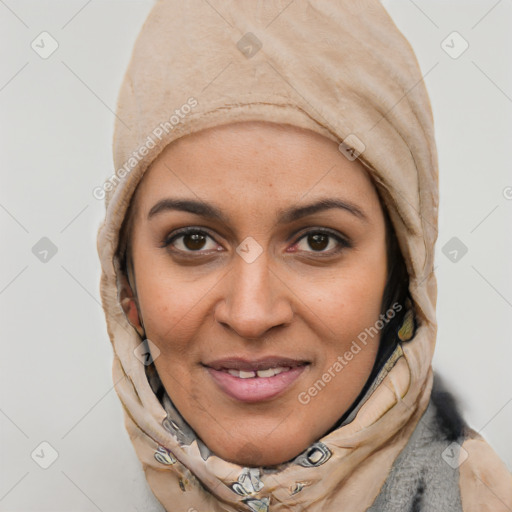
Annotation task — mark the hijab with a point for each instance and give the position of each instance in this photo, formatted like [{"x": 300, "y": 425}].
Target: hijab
[{"x": 341, "y": 69}]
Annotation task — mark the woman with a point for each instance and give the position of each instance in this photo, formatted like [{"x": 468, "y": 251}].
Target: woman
[{"x": 267, "y": 259}]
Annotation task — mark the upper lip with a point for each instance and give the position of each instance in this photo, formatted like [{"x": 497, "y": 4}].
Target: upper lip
[{"x": 245, "y": 364}]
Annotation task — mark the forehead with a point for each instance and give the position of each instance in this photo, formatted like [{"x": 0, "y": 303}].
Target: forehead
[{"x": 255, "y": 163}]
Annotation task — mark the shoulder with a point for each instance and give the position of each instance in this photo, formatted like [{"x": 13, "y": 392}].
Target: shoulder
[
  {"x": 445, "y": 465},
  {"x": 485, "y": 483},
  {"x": 422, "y": 476}
]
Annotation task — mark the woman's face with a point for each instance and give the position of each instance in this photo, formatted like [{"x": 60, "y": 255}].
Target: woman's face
[{"x": 259, "y": 247}]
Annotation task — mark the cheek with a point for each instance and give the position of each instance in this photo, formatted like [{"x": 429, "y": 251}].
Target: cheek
[
  {"x": 351, "y": 295},
  {"x": 343, "y": 311},
  {"x": 171, "y": 308}
]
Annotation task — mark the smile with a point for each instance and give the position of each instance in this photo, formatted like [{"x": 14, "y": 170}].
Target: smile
[
  {"x": 255, "y": 381},
  {"x": 270, "y": 372}
]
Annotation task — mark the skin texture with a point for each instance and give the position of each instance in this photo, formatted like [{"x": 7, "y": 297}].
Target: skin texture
[{"x": 300, "y": 298}]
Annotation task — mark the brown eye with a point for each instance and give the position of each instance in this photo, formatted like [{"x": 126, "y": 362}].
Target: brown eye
[
  {"x": 190, "y": 240},
  {"x": 322, "y": 241},
  {"x": 318, "y": 242},
  {"x": 194, "y": 241}
]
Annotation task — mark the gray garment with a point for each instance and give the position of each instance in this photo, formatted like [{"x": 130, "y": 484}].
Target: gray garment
[{"x": 425, "y": 476}]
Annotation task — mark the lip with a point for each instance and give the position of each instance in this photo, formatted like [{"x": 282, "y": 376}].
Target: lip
[
  {"x": 255, "y": 389},
  {"x": 241, "y": 363}
]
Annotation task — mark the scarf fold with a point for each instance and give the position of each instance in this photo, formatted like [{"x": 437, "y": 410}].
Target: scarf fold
[{"x": 343, "y": 70}]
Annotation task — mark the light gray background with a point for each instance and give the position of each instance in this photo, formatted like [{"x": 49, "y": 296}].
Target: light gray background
[{"x": 56, "y": 123}]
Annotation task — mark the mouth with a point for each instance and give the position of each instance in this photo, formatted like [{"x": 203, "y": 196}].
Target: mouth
[{"x": 256, "y": 380}]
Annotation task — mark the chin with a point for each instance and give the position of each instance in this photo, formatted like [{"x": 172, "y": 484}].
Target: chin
[{"x": 260, "y": 452}]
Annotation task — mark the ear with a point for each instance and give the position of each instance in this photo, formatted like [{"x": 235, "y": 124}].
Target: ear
[{"x": 129, "y": 304}]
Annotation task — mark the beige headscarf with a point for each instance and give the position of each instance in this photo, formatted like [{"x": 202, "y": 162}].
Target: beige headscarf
[{"x": 342, "y": 69}]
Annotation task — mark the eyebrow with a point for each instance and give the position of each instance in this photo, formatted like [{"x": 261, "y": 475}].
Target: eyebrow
[{"x": 288, "y": 215}]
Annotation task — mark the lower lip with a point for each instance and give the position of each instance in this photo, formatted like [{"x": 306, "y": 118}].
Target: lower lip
[{"x": 255, "y": 389}]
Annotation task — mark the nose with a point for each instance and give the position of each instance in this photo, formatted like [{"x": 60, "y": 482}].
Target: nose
[{"x": 255, "y": 299}]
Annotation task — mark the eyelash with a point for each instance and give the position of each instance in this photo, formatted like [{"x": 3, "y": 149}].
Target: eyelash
[{"x": 342, "y": 242}]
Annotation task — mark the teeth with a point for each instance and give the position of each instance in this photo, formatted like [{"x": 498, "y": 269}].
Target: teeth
[
  {"x": 270, "y": 372},
  {"x": 247, "y": 375},
  {"x": 266, "y": 373},
  {"x": 241, "y": 374}
]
